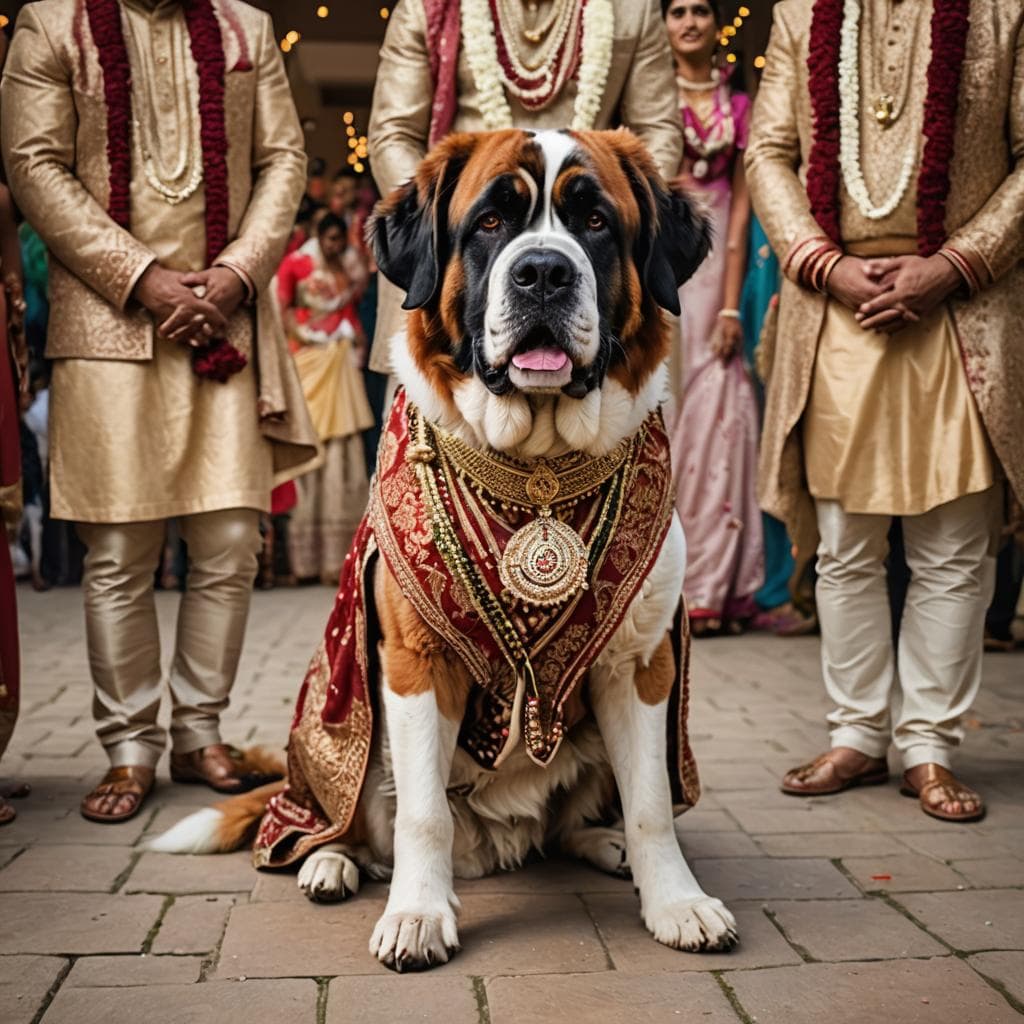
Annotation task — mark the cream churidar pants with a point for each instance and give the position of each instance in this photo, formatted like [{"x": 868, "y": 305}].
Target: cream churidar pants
[
  {"x": 938, "y": 662},
  {"x": 123, "y": 638}
]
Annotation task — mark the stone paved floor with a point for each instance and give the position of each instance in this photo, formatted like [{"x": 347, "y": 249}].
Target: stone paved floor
[{"x": 851, "y": 908}]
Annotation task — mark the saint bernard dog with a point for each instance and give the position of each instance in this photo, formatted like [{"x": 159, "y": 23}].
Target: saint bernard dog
[{"x": 537, "y": 269}]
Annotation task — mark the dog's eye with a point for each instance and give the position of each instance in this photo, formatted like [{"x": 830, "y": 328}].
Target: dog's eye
[
  {"x": 596, "y": 221},
  {"x": 489, "y": 222}
]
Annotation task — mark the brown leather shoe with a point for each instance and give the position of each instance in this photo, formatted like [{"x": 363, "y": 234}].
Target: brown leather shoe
[
  {"x": 830, "y": 773},
  {"x": 119, "y": 795},
  {"x": 220, "y": 766}
]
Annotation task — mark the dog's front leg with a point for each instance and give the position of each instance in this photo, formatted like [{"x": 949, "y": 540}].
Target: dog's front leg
[
  {"x": 675, "y": 908},
  {"x": 418, "y": 927}
]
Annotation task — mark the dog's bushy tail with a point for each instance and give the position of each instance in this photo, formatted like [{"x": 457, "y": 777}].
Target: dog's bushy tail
[{"x": 228, "y": 825}]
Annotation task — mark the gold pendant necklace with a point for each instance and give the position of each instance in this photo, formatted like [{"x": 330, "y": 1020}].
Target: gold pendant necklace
[{"x": 544, "y": 562}]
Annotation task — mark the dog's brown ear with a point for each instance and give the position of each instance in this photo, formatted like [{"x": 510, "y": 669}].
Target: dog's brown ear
[
  {"x": 674, "y": 235},
  {"x": 409, "y": 231}
]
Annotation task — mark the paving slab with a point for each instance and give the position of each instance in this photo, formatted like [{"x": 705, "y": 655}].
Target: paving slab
[
  {"x": 906, "y": 872},
  {"x": 974, "y": 920},
  {"x": 853, "y": 930},
  {"x": 69, "y": 868},
  {"x": 24, "y": 984},
  {"x": 988, "y": 873},
  {"x": 222, "y": 1002},
  {"x": 79, "y": 923},
  {"x": 59, "y": 824},
  {"x": 829, "y": 844},
  {"x": 804, "y": 816},
  {"x": 938, "y": 991},
  {"x": 747, "y": 878},
  {"x": 608, "y": 999},
  {"x": 193, "y": 924},
  {"x": 422, "y": 998},
  {"x": 723, "y": 775},
  {"x": 1011, "y": 839},
  {"x": 499, "y": 935},
  {"x": 634, "y": 950},
  {"x": 700, "y": 820},
  {"x": 133, "y": 971},
  {"x": 277, "y": 887},
  {"x": 956, "y": 844},
  {"x": 1006, "y": 969},
  {"x": 173, "y": 873},
  {"x": 717, "y": 844}
]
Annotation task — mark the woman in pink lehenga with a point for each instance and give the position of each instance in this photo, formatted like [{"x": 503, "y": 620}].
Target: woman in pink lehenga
[{"x": 714, "y": 437}]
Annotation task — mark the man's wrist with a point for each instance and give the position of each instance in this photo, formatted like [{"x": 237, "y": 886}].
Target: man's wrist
[
  {"x": 957, "y": 270},
  {"x": 248, "y": 289}
]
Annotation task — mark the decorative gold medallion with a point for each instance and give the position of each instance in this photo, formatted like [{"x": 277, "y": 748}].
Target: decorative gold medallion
[
  {"x": 542, "y": 488},
  {"x": 544, "y": 562},
  {"x": 884, "y": 108}
]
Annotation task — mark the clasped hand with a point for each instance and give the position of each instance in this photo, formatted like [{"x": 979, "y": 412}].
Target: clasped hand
[
  {"x": 887, "y": 293},
  {"x": 190, "y": 308}
]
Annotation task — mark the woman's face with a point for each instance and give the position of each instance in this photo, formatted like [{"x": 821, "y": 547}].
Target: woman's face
[
  {"x": 692, "y": 30},
  {"x": 332, "y": 243}
]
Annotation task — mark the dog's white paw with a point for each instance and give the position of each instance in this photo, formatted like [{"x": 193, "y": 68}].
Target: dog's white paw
[
  {"x": 605, "y": 848},
  {"x": 414, "y": 941},
  {"x": 703, "y": 924},
  {"x": 328, "y": 876}
]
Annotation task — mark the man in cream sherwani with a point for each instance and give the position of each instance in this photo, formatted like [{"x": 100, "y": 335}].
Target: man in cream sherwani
[{"x": 123, "y": 175}]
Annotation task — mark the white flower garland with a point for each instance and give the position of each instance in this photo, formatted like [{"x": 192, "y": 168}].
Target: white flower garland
[
  {"x": 849, "y": 124},
  {"x": 482, "y": 56}
]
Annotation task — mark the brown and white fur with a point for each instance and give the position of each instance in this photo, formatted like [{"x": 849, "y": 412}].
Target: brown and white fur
[{"x": 428, "y": 812}]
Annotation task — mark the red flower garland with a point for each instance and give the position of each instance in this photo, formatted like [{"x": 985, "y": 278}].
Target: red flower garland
[
  {"x": 823, "y": 83},
  {"x": 105, "y": 26},
  {"x": 950, "y": 24},
  {"x": 219, "y": 359},
  {"x": 949, "y": 27}
]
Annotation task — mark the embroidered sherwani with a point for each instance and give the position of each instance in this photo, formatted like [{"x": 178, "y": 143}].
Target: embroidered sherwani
[
  {"x": 640, "y": 93},
  {"x": 136, "y": 436},
  {"x": 984, "y": 219},
  {"x": 923, "y": 423},
  {"x": 217, "y": 446}
]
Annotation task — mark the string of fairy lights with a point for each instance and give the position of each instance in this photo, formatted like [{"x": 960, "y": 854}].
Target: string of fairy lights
[
  {"x": 729, "y": 34},
  {"x": 291, "y": 38}
]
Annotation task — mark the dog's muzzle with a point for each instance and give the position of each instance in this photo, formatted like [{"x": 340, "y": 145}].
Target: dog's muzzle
[{"x": 542, "y": 289}]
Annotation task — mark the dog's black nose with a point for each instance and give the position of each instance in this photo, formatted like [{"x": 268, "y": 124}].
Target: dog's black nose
[{"x": 543, "y": 273}]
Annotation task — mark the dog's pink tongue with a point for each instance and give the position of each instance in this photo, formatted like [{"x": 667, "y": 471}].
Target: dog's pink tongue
[{"x": 540, "y": 359}]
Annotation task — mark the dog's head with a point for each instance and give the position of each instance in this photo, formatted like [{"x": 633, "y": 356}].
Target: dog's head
[{"x": 537, "y": 263}]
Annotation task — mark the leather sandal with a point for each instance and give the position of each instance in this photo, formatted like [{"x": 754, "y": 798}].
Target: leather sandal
[
  {"x": 823, "y": 776},
  {"x": 132, "y": 782},
  {"x": 15, "y": 791},
  {"x": 219, "y": 766},
  {"x": 941, "y": 786}
]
